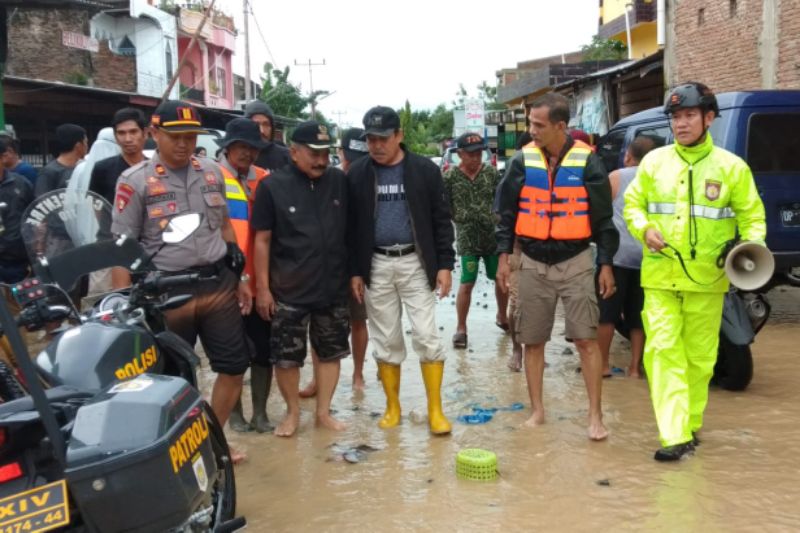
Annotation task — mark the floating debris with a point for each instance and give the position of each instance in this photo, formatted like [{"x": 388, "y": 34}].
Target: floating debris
[{"x": 604, "y": 482}]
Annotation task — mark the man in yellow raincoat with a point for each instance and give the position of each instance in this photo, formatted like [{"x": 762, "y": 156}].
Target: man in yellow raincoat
[{"x": 685, "y": 205}]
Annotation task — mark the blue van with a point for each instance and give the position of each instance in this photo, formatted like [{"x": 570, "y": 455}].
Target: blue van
[{"x": 761, "y": 127}]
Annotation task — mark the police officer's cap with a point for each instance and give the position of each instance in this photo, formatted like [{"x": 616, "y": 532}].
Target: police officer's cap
[
  {"x": 688, "y": 95},
  {"x": 174, "y": 116}
]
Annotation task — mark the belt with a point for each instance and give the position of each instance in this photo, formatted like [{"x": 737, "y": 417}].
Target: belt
[
  {"x": 397, "y": 252},
  {"x": 206, "y": 271}
]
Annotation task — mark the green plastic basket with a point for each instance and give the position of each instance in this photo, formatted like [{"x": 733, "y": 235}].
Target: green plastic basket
[{"x": 476, "y": 464}]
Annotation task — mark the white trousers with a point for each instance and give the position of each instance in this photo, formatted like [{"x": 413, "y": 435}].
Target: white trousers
[{"x": 394, "y": 282}]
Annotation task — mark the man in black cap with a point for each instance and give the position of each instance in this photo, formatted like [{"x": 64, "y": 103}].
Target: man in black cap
[
  {"x": 353, "y": 147},
  {"x": 402, "y": 250},
  {"x": 72, "y": 145},
  {"x": 174, "y": 182},
  {"x": 240, "y": 146},
  {"x": 470, "y": 187},
  {"x": 274, "y": 155},
  {"x": 300, "y": 220}
]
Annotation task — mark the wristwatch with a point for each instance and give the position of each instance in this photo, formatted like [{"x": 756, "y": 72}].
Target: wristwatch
[{"x": 245, "y": 278}]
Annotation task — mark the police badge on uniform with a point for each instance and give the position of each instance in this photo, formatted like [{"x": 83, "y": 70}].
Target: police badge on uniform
[{"x": 713, "y": 189}]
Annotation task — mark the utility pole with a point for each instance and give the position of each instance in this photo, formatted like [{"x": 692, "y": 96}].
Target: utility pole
[
  {"x": 248, "y": 90},
  {"x": 339, "y": 117},
  {"x": 177, "y": 73},
  {"x": 309, "y": 64}
]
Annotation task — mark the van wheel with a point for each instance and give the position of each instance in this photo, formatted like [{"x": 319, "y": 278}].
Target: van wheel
[{"x": 734, "y": 368}]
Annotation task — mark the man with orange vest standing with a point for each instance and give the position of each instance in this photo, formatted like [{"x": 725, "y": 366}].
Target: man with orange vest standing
[
  {"x": 556, "y": 199},
  {"x": 241, "y": 146}
]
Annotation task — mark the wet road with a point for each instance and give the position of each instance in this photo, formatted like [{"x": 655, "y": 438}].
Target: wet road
[{"x": 744, "y": 477}]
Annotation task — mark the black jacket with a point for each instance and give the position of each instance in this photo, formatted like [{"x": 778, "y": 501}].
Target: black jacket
[
  {"x": 427, "y": 205},
  {"x": 17, "y": 193},
  {"x": 273, "y": 157},
  {"x": 551, "y": 251}
]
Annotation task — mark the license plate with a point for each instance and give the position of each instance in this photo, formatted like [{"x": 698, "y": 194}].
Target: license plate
[
  {"x": 40, "y": 509},
  {"x": 790, "y": 217}
]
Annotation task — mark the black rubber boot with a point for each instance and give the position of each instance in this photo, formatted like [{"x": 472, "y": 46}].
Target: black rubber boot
[
  {"x": 674, "y": 453},
  {"x": 260, "y": 383},
  {"x": 695, "y": 440},
  {"x": 236, "y": 420}
]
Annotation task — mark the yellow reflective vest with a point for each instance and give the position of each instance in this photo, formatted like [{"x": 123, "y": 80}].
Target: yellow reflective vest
[{"x": 724, "y": 197}]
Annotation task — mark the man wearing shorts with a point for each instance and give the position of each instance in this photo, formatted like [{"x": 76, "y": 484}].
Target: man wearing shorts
[
  {"x": 470, "y": 187},
  {"x": 555, "y": 200},
  {"x": 300, "y": 220},
  {"x": 626, "y": 304}
]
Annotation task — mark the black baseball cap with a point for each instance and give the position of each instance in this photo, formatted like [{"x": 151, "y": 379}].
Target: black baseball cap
[
  {"x": 174, "y": 116},
  {"x": 381, "y": 121},
  {"x": 242, "y": 130},
  {"x": 312, "y": 134},
  {"x": 470, "y": 142},
  {"x": 354, "y": 144}
]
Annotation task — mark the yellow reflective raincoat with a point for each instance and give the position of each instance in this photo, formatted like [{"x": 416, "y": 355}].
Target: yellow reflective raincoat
[{"x": 682, "y": 317}]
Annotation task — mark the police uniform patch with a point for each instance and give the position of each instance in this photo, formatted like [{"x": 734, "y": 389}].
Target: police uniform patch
[
  {"x": 713, "y": 189},
  {"x": 161, "y": 170},
  {"x": 172, "y": 207},
  {"x": 158, "y": 198},
  {"x": 155, "y": 211},
  {"x": 123, "y": 197},
  {"x": 152, "y": 179},
  {"x": 211, "y": 178},
  {"x": 155, "y": 189}
]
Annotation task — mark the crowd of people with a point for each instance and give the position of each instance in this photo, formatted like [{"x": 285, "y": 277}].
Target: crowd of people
[{"x": 293, "y": 249}]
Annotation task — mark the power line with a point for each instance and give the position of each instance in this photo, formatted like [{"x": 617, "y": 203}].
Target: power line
[{"x": 263, "y": 40}]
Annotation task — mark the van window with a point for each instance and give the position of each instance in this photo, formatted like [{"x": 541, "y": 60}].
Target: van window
[
  {"x": 609, "y": 149},
  {"x": 772, "y": 142},
  {"x": 659, "y": 134}
]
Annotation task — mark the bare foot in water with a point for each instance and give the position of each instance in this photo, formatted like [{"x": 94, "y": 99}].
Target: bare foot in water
[
  {"x": 328, "y": 422},
  {"x": 515, "y": 360},
  {"x": 358, "y": 383},
  {"x": 237, "y": 456},
  {"x": 536, "y": 419},
  {"x": 288, "y": 425},
  {"x": 310, "y": 390},
  {"x": 597, "y": 431},
  {"x": 634, "y": 373}
]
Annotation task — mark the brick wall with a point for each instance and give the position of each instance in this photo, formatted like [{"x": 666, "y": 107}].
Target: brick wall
[
  {"x": 112, "y": 71},
  {"x": 35, "y": 50},
  {"x": 788, "y": 75},
  {"x": 719, "y": 50},
  {"x": 723, "y": 50}
]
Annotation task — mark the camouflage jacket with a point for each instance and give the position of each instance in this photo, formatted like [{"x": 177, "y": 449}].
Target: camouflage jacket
[{"x": 471, "y": 204}]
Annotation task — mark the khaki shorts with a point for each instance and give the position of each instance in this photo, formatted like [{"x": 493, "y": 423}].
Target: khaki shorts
[{"x": 540, "y": 287}]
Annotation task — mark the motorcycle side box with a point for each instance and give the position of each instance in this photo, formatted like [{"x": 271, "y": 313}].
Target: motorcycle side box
[
  {"x": 140, "y": 456},
  {"x": 94, "y": 355}
]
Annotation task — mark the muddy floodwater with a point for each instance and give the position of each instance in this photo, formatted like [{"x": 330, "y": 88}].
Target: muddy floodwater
[{"x": 744, "y": 477}]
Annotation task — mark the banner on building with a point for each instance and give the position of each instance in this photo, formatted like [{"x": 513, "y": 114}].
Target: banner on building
[{"x": 82, "y": 42}]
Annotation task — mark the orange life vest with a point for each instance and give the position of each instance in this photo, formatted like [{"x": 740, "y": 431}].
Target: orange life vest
[
  {"x": 240, "y": 205},
  {"x": 554, "y": 207}
]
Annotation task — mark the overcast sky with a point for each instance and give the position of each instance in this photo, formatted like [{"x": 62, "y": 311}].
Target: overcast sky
[{"x": 379, "y": 52}]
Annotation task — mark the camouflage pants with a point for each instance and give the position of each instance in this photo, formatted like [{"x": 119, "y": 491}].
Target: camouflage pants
[{"x": 328, "y": 327}]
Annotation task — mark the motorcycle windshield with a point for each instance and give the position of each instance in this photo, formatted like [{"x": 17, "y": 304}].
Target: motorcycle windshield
[{"x": 67, "y": 234}]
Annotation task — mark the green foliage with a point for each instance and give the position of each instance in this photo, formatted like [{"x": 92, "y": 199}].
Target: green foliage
[
  {"x": 283, "y": 96},
  {"x": 600, "y": 49},
  {"x": 76, "y": 77}
]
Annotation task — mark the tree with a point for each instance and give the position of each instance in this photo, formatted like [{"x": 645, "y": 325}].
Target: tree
[
  {"x": 600, "y": 49},
  {"x": 283, "y": 96}
]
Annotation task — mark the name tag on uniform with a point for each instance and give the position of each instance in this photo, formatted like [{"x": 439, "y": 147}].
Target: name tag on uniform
[
  {"x": 214, "y": 199},
  {"x": 158, "y": 198}
]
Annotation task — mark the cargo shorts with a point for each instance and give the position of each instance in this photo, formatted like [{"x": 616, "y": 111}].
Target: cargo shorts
[
  {"x": 542, "y": 285},
  {"x": 328, "y": 327}
]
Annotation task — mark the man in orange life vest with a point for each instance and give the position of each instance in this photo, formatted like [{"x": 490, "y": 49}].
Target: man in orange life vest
[
  {"x": 555, "y": 200},
  {"x": 241, "y": 146}
]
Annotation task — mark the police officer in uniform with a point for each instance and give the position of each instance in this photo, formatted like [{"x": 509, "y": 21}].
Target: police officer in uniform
[{"x": 174, "y": 182}]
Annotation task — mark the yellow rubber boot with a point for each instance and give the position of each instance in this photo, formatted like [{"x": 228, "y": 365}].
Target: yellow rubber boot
[
  {"x": 390, "y": 377},
  {"x": 432, "y": 376}
]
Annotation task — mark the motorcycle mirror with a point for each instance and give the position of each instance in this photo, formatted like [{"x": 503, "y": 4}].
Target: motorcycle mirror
[{"x": 180, "y": 227}]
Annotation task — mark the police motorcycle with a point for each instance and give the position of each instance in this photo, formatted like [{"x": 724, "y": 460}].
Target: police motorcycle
[{"x": 113, "y": 434}]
